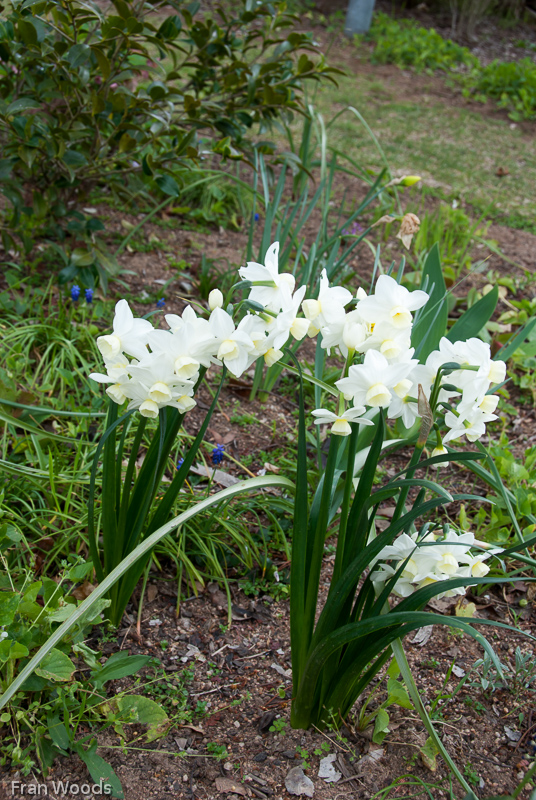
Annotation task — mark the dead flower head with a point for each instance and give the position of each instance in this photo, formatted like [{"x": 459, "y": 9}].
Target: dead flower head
[{"x": 409, "y": 226}]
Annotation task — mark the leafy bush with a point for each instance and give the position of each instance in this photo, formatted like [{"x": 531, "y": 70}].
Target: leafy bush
[
  {"x": 512, "y": 84},
  {"x": 116, "y": 98},
  {"x": 405, "y": 43}
]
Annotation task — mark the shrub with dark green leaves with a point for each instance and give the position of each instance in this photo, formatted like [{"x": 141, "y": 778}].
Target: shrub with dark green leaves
[{"x": 116, "y": 98}]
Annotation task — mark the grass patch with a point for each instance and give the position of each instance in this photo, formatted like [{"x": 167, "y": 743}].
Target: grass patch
[{"x": 456, "y": 150}]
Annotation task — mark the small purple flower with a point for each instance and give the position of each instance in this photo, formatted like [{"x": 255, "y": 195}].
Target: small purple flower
[
  {"x": 256, "y": 217},
  {"x": 217, "y": 454},
  {"x": 354, "y": 230},
  {"x": 161, "y": 303},
  {"x": 75, "y": 293},
  {"x": 89, "y": 296},
  {"x": 180, "y": 462}
]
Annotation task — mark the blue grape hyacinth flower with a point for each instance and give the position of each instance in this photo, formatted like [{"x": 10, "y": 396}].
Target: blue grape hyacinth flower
[
  {"x": 217, "y": 454},
  {"x": 89, "y": 296},
  {"x": 161, "y": 303},
  {"x": 180, "y": 462},
  {"x": 75, "y": 293}
]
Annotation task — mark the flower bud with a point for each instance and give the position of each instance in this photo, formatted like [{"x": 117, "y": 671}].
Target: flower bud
[
  {"x": 354, "y": 335},
  {"x": 439, "y": 451},
  {"x": 289, "y": 279},
  {"x": 410, "y": 180},
  {"x": 215, "y": 299}
]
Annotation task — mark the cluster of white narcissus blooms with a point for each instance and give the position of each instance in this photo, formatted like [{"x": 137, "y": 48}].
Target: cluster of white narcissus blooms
[
  {"x": 164, "y": 365},
  {"x": 378, "y": 329},
  {"x": 430, "y": 559},
  {"x": 374, "y": 330}
]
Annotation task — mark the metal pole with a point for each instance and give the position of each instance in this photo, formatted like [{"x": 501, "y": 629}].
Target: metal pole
[{"x": 358, "y": 16}]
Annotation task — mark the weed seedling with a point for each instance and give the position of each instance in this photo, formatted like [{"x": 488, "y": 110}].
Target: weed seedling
[
  {"x": 278, "y": 726},
  {"x": 219, "y": 751}
]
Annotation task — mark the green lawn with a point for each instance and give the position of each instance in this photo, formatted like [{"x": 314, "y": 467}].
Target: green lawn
[{"x": 456, "y": 150}]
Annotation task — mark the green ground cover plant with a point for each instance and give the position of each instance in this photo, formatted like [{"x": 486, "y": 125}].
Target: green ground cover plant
[
  {"x": 403, "y": 42},
  {"x": 407, "y": 44}
]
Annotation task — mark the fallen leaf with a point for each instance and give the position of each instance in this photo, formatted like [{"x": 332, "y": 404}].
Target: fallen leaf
[
  {"x": 224, "y": 785},
  {"x": 327, "y": 771},
  {"x": 83, "y": 591},
  {"x": 193, "y": 652},
  {"x": 513, "y": 735},
  {"x": 428, "y": 754},
  {"x": 298, "y": 783},
  {"x": 216, "y": 475},
  {"x": 423, "y": 635},
  {"x": 286, "y": 673},
  {"x": 271, "y": 467},
  {"x": 464, "y": 609},
  {"x": 152, "y": 592},
  {"x": 442, "y": 605}
]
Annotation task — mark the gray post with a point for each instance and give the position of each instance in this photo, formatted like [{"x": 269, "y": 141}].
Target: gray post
[{"x": 358, "y": 16}]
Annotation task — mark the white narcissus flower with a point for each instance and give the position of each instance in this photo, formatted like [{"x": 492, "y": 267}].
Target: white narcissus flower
[
  {"x": 439, "y": 451},
  {"x": 189, "y": 346},
  {"x": 340, "y": 423},
  {"x": 370, "y": 383},
  {"x": 430, "y": 560},
  {"x": 129, "y": 334},
  {"x": 347, "y": 332},
  {"x": 389, "y": 341},
  {"x": 329, "y": 307},
  {"x": 472, "y": 353},
  {"x": 234, "y": 344},
  {"x": 271, "y": 296},
  {"x": 154, "y": 385},
  {"x": 116, "y": 374},
  {"x": 391, "y": 303},
  {"x": 470, "y": 419},
  {"x": 287, "y": 323}
]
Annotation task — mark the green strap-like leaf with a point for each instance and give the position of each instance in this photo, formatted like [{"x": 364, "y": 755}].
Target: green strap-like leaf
[{"x": 473, "y": 320}]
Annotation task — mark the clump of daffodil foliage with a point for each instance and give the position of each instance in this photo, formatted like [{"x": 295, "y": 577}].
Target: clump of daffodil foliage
[{"x": 440, "y": 390}]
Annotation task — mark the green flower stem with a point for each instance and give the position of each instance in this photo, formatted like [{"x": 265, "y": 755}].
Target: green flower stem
[
  {"x": 298, "y": 572},
  {"x": 345, "y": 508},
  {"x": 127, "y": 483},
  {"x": 316, "y": 537}
]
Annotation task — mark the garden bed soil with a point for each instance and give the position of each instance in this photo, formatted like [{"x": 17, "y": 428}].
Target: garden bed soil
[{"x": 243, "y": 675}]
